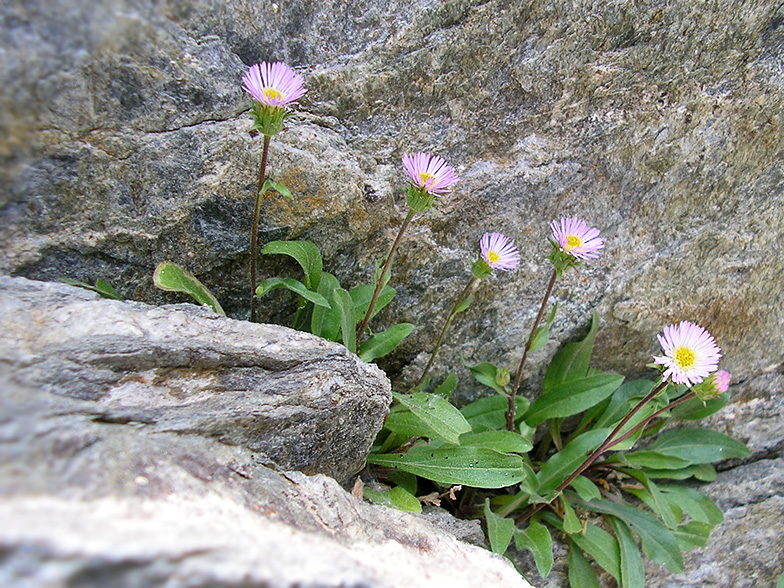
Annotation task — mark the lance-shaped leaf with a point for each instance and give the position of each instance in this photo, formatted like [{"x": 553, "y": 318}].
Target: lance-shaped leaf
[
  {"x": 543, "y": 333},
  {"x": 698, "y": 445},
  {"x": 695, "y": 409},
  {"x": 698, "y": 506},
  {"x": 485, "y": 373},
  {"x": 572, "y": 397},
  {"x": 502, "y": 440},
  {"x": 437, "y": 417},
  {"x": 396, "y": 497},
  {"x": 571, "y": 362},
  {"x": 362, "y": 295},
  {"x": 632, "y": 570},
  {"x": 446, "y": 387},
  {"x": 536, "y": 539},
  {"x": 469, "y": 466},
  {"x": 489, "y": 413},
  {"x": 581, "y": 574},
  {"x": 305, "y": 253},
  {"x": 348, "y": 320},
  {"x": 381, "y": 344},
  {"x": 295, "y": 286},
  {"x": 281, "y": 189},
  {"x": 594, "y": 541},
  {"x": 566, "y": 461},
  {"x": 103, "y": 288},
  {"x": 499, "y": 530},
  {"x": 171, "y": 277},
  {"x": 325, "y": 320}
]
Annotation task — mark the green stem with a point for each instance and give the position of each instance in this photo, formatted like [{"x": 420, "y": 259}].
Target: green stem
[
  {"x": 606, "y": 444},
  {"x": 254, "y": 236},
  {"x": 448, "y": 322},
  {"x": 510, "y": 411},
  {"x": 384, "y": 270}
]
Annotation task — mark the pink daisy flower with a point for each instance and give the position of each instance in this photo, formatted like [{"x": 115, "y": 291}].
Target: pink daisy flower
[
  {"x": 430, "y": 172},
  {"x": 274, "y": 84},
  {"x": 690, "y": 353},
  {"x": 499, "y": 252},
  {"x": 575, "y": 237}
]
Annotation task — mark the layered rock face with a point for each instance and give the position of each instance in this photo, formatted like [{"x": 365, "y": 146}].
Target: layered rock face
[
  {"x": 124, "y": 141},
  {"x": 147, "y": 446}
]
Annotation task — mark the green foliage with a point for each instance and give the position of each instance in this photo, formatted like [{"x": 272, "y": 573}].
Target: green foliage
[
  {"x": 172, "y": 278},
  {"x": 103, "y": 288},
  {"x": 397, "y": 497},
  {"x": 427, "y": 415},
  {"x": 499, "y": 529}
]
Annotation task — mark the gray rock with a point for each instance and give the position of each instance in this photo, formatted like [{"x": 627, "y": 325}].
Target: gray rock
[
  {"x": 305, "y": 403},
  {"x": 90, "y": 503}
]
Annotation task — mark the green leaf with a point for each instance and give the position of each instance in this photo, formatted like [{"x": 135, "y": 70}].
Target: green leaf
[
  {"x": 172, "y": 278},
  {"x": 381, "y": 344},
  {"x": 503, "y": 441},
  {"x": 571, "y": 362},
  {"x": 658, "y": 542},
  {"x": 277, "y": 186},
  {"x": 702, "y": 472},
  {"x": 446, "y": 387},
  {"x": 348, "y": 320},
  {"x": 485, "y": 373},
  {"x": 295, "y": 286},
  {"x": 586, "y": 489},
  {"x": 563, "y": 463},
  {"x": 780, "y": 583},
  {"x": 536, "y": 539},
  {"x": 396, "y": 497},
  {"x": 698, "y": 506},
  {"x": 581, "y": 574},
  {"x": 405, "y": 480},
  {"x": 632, "y": 570},
  {"x": 362, "y": 295},
  {"x": 441, "y": 419},
  {"x": 325, "y": 320},
  {"x": 656, "y": 460},
  {"x": 698, "y": 445},
  {"x": 306, "y": 255},
  {"x": 660, "y": 505},
  {"x": 499, "y": 530},
  {"x": 695, "y": 409},
  {"x": 623, "y": 400},
  {"x": 463, "y": 306},
  {"x": 571, "y": 524},
  {"x": 102, "y": 288},
  {"x": 692, "y": 535},
  {"x": 470, "y": 466},
  {"x": 594, "y": 541},
  {"x": 489, "y": 413},
  {"x": 543, "y": 333},
  {"x": 572, "y": 397}
]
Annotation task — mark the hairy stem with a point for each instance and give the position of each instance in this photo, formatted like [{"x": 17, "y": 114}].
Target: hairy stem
[
  {"x": 448, "y": 322},
  {"x": 254, "y": 236},
  {"x": 384, "y": 270},
  {"x": 510, "y": 411}
]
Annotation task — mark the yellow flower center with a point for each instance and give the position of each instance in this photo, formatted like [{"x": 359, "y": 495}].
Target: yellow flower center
[
  {"x": 493, "y": 257},
  {"x": 572, "y": 242},
  {"x": 272, "y": 94},
  {"x": 426, "y": 177},
  {"x": 684, "y": 357}
]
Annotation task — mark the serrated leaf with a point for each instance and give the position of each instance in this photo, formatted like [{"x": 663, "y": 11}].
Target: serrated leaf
[
  {"x": 348, "y": 320},
  {"x": 499, "y": 530},
  {"x": 698, "y": 445},
  {"x": 585, "y": 489},
  {"x": 698, "y": 506},
  {"x": 295, "y": 286},
  {"x": 441, "y": 419},
  {"x": 469, "y": 466},
  {"x": 563, "y": 463},
  {"x": 381, "y": 344},
  {"x": 278, "y": 187},
  {"x": 543, "y": 333},
  {"x": 536, "y": 539},
  {"x": 325, "y": 320},
  {"x": 571, "y": 362},
  {"x": 172, "y": 278},
  {"x": 631, "y": 564},
  {"x": 581, "y": 574},
  {"x": 446, "y": 387},
  {"x": 489, "y": 413},
  {"x": 503, "y": 441},
  {"x": 658, "y": 542},
  {"x": 572, "y": 397},
  {"x": 305, "y": 253}
]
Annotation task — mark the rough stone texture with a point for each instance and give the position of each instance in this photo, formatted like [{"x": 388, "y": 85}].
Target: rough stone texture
[
  {"x": 87, "y": 503},
  {"x": 306, "y": 403},
  {"x": 124, "y": 142}
]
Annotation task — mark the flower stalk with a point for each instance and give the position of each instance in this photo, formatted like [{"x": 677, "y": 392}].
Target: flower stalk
[{"x": 254, "y": 236}]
